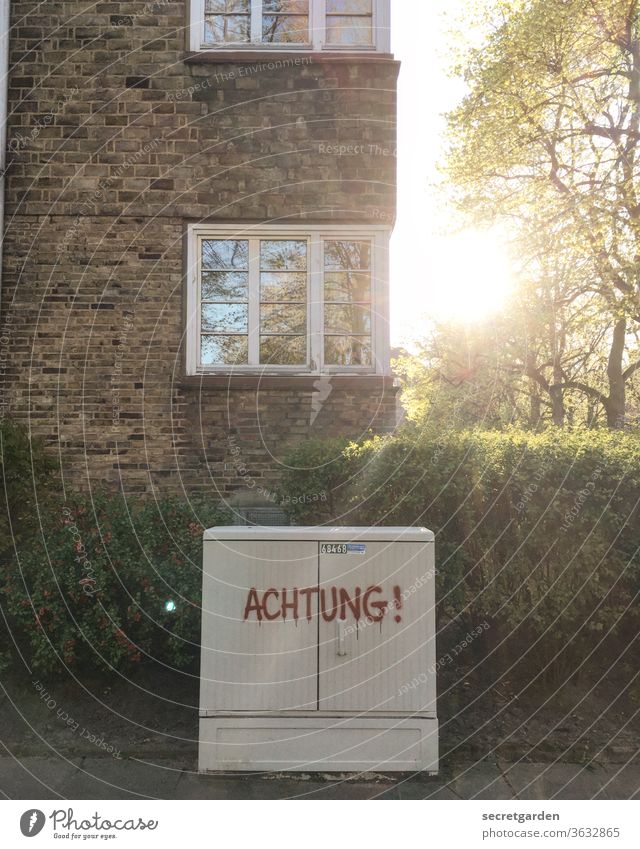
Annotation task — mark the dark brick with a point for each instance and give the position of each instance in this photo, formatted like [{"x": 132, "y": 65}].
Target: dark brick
[{"x": 137, "y": 82}]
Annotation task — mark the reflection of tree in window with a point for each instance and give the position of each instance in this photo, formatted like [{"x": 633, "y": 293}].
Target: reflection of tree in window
[
  {"x": 348, "y": 22},
  {"x": 224, "y": 350},
  {"x": 347, "y": 310},
  {"x": 225, "y": 253},
  {"x": 285, "y": 21},
  {"x": 224, "y": 296},
  {"x": 283, "y": 302},
  {"x": 227, "y": 21},
  {"x": 280, "y": 317}
]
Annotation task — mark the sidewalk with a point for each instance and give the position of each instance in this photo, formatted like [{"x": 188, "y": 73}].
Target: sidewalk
[{"x": 108, "y": 778}]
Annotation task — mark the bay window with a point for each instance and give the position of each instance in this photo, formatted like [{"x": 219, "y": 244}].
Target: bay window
[
  {"x": 287, "y": 299},
  {"x": 286, "y": 24}
]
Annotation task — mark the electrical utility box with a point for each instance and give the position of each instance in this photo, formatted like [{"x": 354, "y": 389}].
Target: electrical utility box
[{"x": 318, "y": 650}]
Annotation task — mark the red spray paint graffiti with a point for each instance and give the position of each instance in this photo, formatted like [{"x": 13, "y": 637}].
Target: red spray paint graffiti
[{"x": 335, "y": 602}]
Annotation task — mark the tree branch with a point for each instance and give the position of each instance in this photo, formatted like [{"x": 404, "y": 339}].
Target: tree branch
[
  {"x": 629, "y": 372},
  {"x": 586, "y": 390}
]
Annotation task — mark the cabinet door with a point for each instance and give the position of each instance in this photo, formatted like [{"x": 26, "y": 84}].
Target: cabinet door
[
  {"x": 259, "y": 626},
  {"x": 377, "y": 627}
]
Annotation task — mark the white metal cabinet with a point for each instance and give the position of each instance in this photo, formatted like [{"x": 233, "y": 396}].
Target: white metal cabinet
[{"x": 318, "y": 650}]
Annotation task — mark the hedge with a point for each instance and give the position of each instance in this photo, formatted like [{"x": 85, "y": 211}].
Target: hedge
[
  {"x": 536, "y": 533},
  {"x": 537, "y": 541},
  {"x": 108, "y": 582}
]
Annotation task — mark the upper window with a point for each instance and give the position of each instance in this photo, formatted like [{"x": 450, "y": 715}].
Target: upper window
[
  {"x": 308, "y": 300},
  {"x": 298, "y": 24}
]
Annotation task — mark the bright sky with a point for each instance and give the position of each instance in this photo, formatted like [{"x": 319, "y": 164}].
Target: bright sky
[{"x": 433, "y": 274}]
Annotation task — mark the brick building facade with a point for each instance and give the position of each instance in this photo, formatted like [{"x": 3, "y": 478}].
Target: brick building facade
[{"x": 122, "y": 138}]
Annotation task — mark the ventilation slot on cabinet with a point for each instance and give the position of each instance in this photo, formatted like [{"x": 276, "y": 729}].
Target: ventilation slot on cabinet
[{"x": 264, "y": 517}]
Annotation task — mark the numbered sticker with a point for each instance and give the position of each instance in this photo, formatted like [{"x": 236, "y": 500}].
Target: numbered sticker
[
  {"x": 342, "y": 548},
  {"x": 333, "y": 548}
]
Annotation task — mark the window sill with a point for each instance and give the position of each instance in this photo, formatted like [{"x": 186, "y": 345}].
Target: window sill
[
  {"x": 359, "y": 382},
  {"x": 298, "y": 57}
]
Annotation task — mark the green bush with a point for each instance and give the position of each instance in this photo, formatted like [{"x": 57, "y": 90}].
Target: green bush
[
  {"x": 27, "y": 471},
  {"x": 98, "y": 585},
  {"x": 316, "y": 483},
  {"x": 536, "y": 534}
]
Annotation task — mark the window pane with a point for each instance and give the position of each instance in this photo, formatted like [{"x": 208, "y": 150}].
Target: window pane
[
  {"x": 348, "y": 30},
  {"x": 285, "y": 29},
  {"x": 283, "y": 255},
  {"x": 223, "y": 350},
  {"x": 225, "y": 253},
  {"x": 347, "y": 319},
  {"x": 343, "y": 256},
  {"x": 347, "y": 351},
  {"x": 226, "y": 29},
  {"x": 283, "y": 318},
  {"x": 225, "y": 286},
  {"x": 225, "y": 318},
  {"x": 283, "y": 286},
  {"x": 347, "y": 325},
  {"x": 348, "y": 7},
  {"x": 227, "y": 6},
  {"x": 347, "y": 286},
  {"x": 297, "y": 7},
  {"x": 283, "y": 350}
]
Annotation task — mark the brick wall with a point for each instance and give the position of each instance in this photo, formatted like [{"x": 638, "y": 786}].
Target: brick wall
[{"x": 116, "y": 140}]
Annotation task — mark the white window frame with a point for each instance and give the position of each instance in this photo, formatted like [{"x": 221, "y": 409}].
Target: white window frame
[
  {"x": 317, "y": 18},
  {"x": 316, "y": 234}
]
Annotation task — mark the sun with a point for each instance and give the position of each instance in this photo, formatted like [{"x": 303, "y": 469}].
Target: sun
[
  {"x": 464, "y": 277},
  {"x": 469, "y": 277}
]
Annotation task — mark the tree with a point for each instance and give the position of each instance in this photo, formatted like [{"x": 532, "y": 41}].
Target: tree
[
  {"x": 465, "y": 375},
  {"x": 560, "y": 332},
  {"x": 547, "y": 139},
  {"x": 511, "y": 368}
]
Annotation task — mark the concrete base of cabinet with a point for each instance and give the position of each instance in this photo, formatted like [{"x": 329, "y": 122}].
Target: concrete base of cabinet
[{"x": 320, "y": 743}]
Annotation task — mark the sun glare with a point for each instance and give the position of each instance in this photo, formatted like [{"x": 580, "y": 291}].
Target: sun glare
[
  {"x": 469, "y": 277},
  {"x": 466, "y": 277}
]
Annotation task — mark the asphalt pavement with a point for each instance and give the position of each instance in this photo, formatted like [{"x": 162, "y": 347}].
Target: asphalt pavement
[{"x": 106, "y": 777}]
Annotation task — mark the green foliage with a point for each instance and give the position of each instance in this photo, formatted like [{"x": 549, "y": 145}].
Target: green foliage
[
  {"x": 314, "y": 486},
  {"x": 27, "y": 470},
  {"x": 537, "y": 534},
  {"x": 90, "y": 589},
  {"x": 464, "y": 376}
]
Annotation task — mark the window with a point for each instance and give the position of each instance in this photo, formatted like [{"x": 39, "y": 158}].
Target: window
[
  {"x": 296, "y": 299},
  {"x": 286, "y": 24}
]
